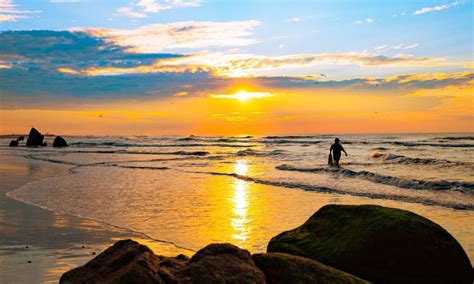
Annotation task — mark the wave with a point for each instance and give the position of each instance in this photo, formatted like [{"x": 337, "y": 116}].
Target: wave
[
  {"x": 289, "y": 141},
  {"x": 323, "y": 189},
  {"x": 380, "y": 148},
  {"x": 12, "y": 195},
  {"x": 289, "y": 137},
  {"x": 416, "y": 144},
  {"x": 120, "y": 144},
  {"x": 400, "y": 159},
  {"x": 244, "y": 139},
  {"x": 140, "y": 167},
  {"x": 456, "y": 138},
  {"x": 257, "y": 153},
  {"x": 466, "y": 187}
]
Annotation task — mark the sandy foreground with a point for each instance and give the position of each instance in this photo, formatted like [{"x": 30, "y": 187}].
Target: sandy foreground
[{"x": 54, "y": 243}]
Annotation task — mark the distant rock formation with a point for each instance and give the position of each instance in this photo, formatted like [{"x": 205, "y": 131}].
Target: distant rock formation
[
  {"x": 59, "y": 142},
  {"x": 379, "y": 244},
  {"x": 35, "y": 138},
  {"x": 15, "y": 143}
]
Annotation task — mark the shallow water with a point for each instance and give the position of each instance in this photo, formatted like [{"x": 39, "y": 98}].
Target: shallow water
[{"x": 195, "y": 190}]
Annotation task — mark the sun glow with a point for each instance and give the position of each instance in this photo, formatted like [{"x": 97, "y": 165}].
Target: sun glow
[{"x": 243, "y": 95}]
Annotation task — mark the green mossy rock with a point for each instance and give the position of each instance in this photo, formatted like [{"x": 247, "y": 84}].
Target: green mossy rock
[
  {"x": 285, "y": 268},
  {"x": 379, "y": 244}
]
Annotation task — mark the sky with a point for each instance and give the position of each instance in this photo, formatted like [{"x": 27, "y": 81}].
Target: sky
[{"x": 206, "y": 67}]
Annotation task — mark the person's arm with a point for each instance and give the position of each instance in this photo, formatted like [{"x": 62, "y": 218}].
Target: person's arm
[
  {"x": 330, "y": 149},
  {"x": 343, "y": 150}
]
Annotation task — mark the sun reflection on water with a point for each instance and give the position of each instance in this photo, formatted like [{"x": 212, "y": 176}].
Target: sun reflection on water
[{"x": 240, "y": 204}]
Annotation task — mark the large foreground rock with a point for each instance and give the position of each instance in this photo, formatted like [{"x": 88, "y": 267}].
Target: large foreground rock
[
  {"x": 35, "y": 138},
  {"x": 130, "y": 262},
  {"x": 285, "y": 268},
  {"x": 125, "y": 262},
  {"x": 59, "y": 142},
  {"x": 222, "y": 263},
  {"x": 379, "y": 244}
]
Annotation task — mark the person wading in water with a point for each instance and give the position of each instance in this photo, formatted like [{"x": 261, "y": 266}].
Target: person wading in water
[{"x": 336, "y": 149}]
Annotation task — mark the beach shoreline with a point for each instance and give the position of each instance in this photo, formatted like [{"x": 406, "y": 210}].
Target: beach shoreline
[{"x": 38, "y": 245}]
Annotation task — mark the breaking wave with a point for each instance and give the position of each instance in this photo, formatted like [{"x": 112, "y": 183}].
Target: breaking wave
[{"x": 466, "y": 187}]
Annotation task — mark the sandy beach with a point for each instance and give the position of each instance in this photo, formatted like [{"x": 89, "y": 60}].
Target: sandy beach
[{"x": 53, "y": 242}]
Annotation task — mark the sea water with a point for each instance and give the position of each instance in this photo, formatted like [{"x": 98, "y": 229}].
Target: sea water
[{"x": 195, "y": 190}]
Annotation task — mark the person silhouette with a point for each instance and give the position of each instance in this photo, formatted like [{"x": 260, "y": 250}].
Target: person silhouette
[{"x": 336, "y": 149}]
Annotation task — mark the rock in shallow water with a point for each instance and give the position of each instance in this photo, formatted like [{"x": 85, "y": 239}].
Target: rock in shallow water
[
  {"x": 35, "y": 138},
  {"x": 130, "y": 262},
  {"x": 285, "y": 268},
  {"x": 13, "y": 143},
  {"x": 59, "y": 142},
  {"x": 380, "y": 244}
]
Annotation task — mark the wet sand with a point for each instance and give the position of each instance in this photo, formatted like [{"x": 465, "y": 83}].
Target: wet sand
[{"x": 54, "y": 243}]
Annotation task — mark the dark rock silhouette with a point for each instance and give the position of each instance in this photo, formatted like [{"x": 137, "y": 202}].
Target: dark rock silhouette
[
  {"x": 15, "y": 143},
  {"x": 130, "y": 262},
  {"x": 125, "y": 262},
  {"x": 222, "y": 263},
  {"x": 35, "y": 138},
  {"x": 285, "y": 268},
  {"x": 59, "y": 142},
  {"x": 379, "y": 244}
]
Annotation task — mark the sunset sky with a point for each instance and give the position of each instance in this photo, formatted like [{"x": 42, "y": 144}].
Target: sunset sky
[{"x": 157, "y": 67}]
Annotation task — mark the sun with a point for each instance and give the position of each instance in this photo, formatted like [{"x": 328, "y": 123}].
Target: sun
[{"x": 243, "y": 96}]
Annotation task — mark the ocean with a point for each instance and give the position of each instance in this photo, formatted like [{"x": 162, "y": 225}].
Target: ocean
[{"x": 191, "y": 191}]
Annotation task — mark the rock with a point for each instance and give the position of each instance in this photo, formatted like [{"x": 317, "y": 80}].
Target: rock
[
  {"x": 130, "y": 262},
  {"x": 35, "y": 138},
  {"x": 379, "y": 244},
  {"x": 286, "y": 268},
  {"x": 125, "y": 262},
  {"x": 21, "y": 138},
  {"x": 13, "y": 143},
  {"x": 59, "y": 142},
  {"x": 222, "y": 263}
]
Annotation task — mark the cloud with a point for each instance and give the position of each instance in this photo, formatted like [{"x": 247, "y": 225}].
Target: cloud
[
  {"x": 411, "y": 46},
  {"x": 386, "y": 47},
  {"x": 431, "y": 9},
  {"x": 298, "y": 19},
  {"x": 151, "y": 6},
  {"x": 9, "y": 12},
  {"x": 245, "y": 65},
  {"x": 381, "y": 47},
  {"x": 64, "y": 1},
  {"x": 184, "y": 35},
  {"x": 10, "y": 18},
  {"x": 435, "y": 8},
  {"x": 141, "y": 8},
  {"x": 365, "y": 21},
  {"x": 129, "y": 12},
  {"x": 84, "y": 69}
]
